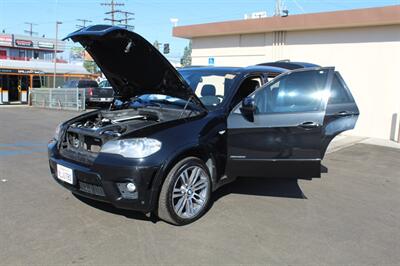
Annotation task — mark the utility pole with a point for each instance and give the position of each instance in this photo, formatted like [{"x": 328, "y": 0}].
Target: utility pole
[
  {"x": 84, "y": 21},
  {"x": 112, "y": 4},
  {"x": 278, "y": 8},
  {"x": 30, "y": 31},
  {"x": 55, "y": 54},
  {"x": 124, "y": 22}
]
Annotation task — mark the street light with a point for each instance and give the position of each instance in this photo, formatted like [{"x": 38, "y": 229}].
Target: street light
[{"x": 55, "y": 54}]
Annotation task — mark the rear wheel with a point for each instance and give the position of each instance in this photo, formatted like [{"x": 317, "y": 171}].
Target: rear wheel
[{"x": 185, "y": 194}]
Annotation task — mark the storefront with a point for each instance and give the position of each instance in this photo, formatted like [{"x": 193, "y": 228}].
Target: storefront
[
  {"x": 16, "y": 84},
  {"x": 27, "y": 62}
]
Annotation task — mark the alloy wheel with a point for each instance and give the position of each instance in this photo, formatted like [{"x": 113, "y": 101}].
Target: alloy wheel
[{"x": 189, "y": 196}]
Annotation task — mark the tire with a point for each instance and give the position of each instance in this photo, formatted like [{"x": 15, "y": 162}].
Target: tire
[{"x": 182, "y": 202}]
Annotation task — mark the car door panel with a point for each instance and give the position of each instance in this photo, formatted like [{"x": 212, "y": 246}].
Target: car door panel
[
  {"x": 278, "y": 136},
  {"x": 277, "y": 144},
  {"x": 281, "y": 150},
  {"x": 341, "y": 112}
]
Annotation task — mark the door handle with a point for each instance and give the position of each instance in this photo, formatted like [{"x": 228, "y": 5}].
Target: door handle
[
  {"x": 343, "y": 113},
  {"x": 309, "y": 125}
]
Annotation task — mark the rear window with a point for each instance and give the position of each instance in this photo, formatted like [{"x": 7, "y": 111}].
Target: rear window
[
  {"x": 88, "y": 84},
  {"x": 338, "y": 92},
  {"x": 104, "y": 84}
]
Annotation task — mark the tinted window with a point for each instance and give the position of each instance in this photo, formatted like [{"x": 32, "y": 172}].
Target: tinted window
[
  {"x": 338, "y": 92},
  {"x": 296, "y": 92},
  {"x": 87, "y": 84},
  {"x": 104, "y": 84},
  {"x": 247, "y": 87}
]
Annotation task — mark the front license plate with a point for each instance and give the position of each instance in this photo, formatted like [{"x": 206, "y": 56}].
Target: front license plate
[
  {"x": 65, "y": 174},
  {"x": 103, "y": 99}
]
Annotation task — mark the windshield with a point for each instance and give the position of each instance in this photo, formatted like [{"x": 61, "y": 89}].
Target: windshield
[{"x": 211, "y": 86}]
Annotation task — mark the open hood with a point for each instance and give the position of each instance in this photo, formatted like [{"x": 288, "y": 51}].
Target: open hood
[{"x": 131, "y": 64}]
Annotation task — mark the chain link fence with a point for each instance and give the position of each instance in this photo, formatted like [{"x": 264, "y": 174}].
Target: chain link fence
[{"x": 62, "y": 99}]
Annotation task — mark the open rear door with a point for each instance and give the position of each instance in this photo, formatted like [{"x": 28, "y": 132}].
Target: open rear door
[
  {"x": 284, "y": 140},
  {"x": 341, "y": 112}
]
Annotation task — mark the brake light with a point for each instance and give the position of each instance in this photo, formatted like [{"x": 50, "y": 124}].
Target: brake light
[{"x": 90, "y": 91}]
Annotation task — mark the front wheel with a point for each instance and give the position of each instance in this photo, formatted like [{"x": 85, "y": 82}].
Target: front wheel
[{"x": 186, "y": 192}]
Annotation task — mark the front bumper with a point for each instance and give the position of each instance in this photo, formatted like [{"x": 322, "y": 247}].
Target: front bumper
[{"x": 102, "y": 180}]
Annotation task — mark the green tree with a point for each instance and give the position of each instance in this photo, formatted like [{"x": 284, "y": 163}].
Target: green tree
[
  {"x": 91, "y": 66},
  {"x": 77, "y": 53},
  {"x": 186, "y": 59}
]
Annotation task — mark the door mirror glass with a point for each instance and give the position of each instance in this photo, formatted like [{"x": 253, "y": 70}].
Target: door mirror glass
[{"x": 248, "y": 108}]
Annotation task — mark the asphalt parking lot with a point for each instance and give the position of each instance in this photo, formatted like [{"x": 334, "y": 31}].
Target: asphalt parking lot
[{"x": 349, "y": 216}]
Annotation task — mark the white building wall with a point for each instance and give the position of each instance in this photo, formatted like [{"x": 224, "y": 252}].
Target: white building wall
[
  {"x": 233, "y": 50},
  {"x": 368, "y": 59}
]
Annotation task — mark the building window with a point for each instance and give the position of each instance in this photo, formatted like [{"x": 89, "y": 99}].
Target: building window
[
  {"x": 29, "y": 54},
  {"x": 21, "y": 54},
  {"x": 3, "y": 54}
]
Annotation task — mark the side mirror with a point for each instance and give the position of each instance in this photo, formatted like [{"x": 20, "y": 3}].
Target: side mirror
[{"x": 248, "y": 108}]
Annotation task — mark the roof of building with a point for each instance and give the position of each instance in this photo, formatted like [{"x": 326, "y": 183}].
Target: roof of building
[
  {"x": 43, "y": 66},
  {"x": 389, "y": 15}
]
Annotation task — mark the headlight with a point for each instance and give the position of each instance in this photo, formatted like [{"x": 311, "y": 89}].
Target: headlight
[
  {"x": 57, "y": 133},
  {"x": 132, "y": 148}
]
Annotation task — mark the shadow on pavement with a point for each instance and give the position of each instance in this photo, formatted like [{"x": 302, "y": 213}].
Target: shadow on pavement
[
  {"x": 111, "y": 209},
  {"x": 286, "y": 188}
]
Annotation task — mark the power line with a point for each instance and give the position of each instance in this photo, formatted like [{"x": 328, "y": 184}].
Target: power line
[
  {"x": 30, "y": 31},
  {"x": 84, "y": 21},
  {"x": 299, "y": 6},
  {"x": 112, "y": 4},
  {"x": 125, "y": 21}
]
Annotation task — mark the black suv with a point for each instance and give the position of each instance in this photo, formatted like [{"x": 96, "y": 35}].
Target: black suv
[{"x": 172, "y": 138}]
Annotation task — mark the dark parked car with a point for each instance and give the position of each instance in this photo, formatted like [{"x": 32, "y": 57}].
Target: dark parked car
[
  {"x": 93, "y": 93},
  {"x": 172, "y": 138}
]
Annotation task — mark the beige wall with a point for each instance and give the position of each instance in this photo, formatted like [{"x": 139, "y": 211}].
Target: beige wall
[{"x": 368, "y": 59}]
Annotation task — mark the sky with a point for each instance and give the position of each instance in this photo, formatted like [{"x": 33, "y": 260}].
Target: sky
[{"x": 152, "y": 17}]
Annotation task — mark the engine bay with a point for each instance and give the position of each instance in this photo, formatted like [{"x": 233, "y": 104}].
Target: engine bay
[
  {"x": 84, "y": 137},
  {"x": 116, "y": 121}
]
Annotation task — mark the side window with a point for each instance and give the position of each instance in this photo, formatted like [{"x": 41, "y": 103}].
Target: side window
[
  {"x": 301, "y": 91},
  {"x": 338, "y": 92},
  {"x": 247, "y": 87}
]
